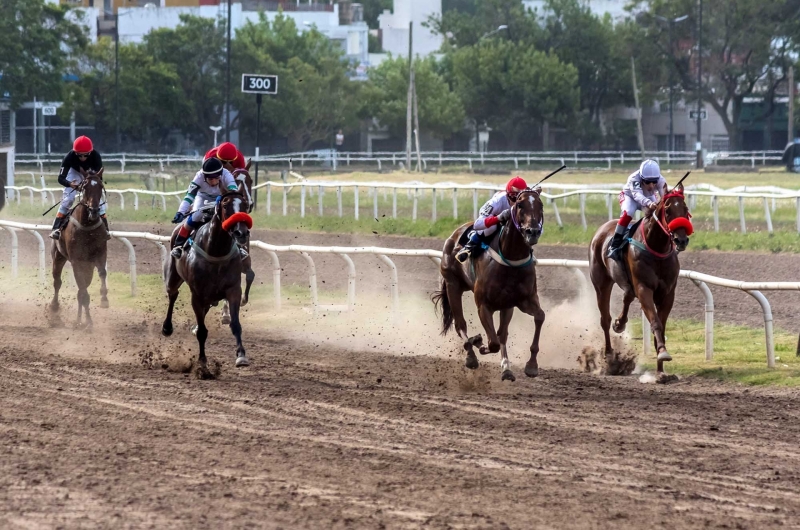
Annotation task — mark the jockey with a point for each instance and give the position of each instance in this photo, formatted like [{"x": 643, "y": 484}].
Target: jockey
[
  {"x": 638, "y": 194},
  {"x": 496, "y": 210},
  {"x": 229, "y": 154},
  {"x": 208, "y": 184},
  {"x": 82, "y": 156}
]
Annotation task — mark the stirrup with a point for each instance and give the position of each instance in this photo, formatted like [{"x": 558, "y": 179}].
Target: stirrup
[
  {"x": 55, "y": 234},
  {"x": 177, "y": 252},
  {"x": 615, "y": 253},
  {"x": 463, "y": 255},
  {"x": 243, "y": 254}
]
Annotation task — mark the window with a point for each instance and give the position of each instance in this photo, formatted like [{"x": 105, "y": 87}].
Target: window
[
  {"x": 719, "y": 143},
  {"x": 5, "y": 126}
]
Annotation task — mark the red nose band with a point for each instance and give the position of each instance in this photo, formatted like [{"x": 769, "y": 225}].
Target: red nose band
[
  {"x": 681, "y": 222},
  {"x": 238, "y": 217}
]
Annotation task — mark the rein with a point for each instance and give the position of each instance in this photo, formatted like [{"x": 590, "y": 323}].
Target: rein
[{"x": 661, "y": 221}]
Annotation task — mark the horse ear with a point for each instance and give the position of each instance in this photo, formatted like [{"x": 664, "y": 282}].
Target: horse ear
[
  {"x": 538, "y": 189},
  {"x": 100, "y": 173},
  {"x": 249, "y": 163}
]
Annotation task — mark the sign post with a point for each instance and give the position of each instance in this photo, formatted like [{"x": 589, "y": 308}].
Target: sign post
[
  {"x": 48, "y": 111},
  {"x": 259, "y": 85},
  {"x": 693, "y": 114}
]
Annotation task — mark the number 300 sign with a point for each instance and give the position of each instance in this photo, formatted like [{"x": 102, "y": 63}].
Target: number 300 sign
[{"x": 259, "y": 84}]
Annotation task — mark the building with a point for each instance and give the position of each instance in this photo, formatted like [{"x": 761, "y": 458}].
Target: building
[{"x": 394, "y": 27}]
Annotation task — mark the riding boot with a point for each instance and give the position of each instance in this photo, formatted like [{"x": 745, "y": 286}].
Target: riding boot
[
  {"x": 56, "y": 233},
  {"x": 472, "y": 244},
  {"x": 177, "y": 249},
  {"x": 616, "y": 242},
  {"x": 108, "y": 232}
]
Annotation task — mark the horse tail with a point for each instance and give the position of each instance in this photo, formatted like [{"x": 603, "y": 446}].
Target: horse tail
[{"x": 440, "y": 298}]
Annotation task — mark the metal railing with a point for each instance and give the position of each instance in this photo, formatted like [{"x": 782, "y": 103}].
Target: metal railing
[{"x": 699, "y": 279}]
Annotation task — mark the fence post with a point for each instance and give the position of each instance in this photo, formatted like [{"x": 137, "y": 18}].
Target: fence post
[
  {"x": 355, "y": 195},
  {"x": 414, "y": 207},
  {"x": 455, "y": 203},
  {"x": 351, "y": 281},
  {"x": 709, "y": 312},
  {"x": 767, "y": 216},
  {"x": 375, "y": 203},
  {"x": 741, "y": 215},
  {"x": 433, "y": 209},
  {"x": 609, "y": 163},
  {"x": 339, "y": 199},
  {"x": 583, "y": 211},
  {"x": 14, "y": 252},
  {"x": 715, "y": 204},
  {"x": 42, "y": 264},
  {"x": 797, "y": 206},
  {"x": 320, "y": 191},
  {"x": 516, "y": 163},
  {"x": 767, "y": 310},
  {"x": 269, "y": 198},
  {"x": 302, "y": 200},
  {"x": 394, "y": 286},
  {"x": 576, "y": 158},
  {"x": 555, "y": 211},
  {"x": 440, "y": 159},
  {"x": 475, "y": 203},
  {"x": 284, "y": 200},
  {"x": 131, "y": 262},
  {"x": 394, "y": 203},
  {"x": 312, "y": 278}
]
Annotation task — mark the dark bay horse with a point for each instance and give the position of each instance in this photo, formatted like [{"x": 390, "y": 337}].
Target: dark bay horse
[
  {"x": 648, "y": 271},
  {"x": 83, "y": 243},
  {"x": 213, "y": 270},
  {"x": 502, "y": 278},
  {"x": 242, "y": 176}
]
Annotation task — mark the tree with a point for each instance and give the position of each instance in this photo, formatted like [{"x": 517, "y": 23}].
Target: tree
[
  {"x": 38, "y": 38},
  {"x": 747, "y": 45},
  {"x": 316, "y": 96},
  {"x": 469, "y": 20},
  {"x": 373, "y": 8},
  {"x": 514, "y": 87},
  {"x": 386, "y": 97}
]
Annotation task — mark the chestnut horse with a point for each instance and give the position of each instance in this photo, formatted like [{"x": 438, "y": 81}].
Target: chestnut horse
[
  {"x": 213, "y": 270},
  {"x": 83, "y": 243},
  {"x": 502, "y": 278},
  {"x": 648, "y": 271},
  {"x": 243, "y": 176}
]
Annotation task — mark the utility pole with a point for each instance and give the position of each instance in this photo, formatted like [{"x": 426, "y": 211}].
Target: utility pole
[
  {"x": 116, "y": 79},
  {"x": 416, "y": 119},
  {"x": 699, "y": 144},
  {"x": 410, "y": 94},
  {"x": 228, "y": 79},
  {"x": 791, "y": 104},
  {"x": 671, "y": 142},
  {"x": 639, "y": 133}
]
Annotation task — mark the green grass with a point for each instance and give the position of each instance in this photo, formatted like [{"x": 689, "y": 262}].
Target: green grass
[{"x": 739, "y": 355}]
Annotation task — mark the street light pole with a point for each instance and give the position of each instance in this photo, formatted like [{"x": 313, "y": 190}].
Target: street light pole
[
  {"x": 671, "y": 142},
  {"x": 699, "y": 144},
  {"x": 228, "y": 79},
  {"x": 216, "y": 129},
  {"x": 116, "y": 79}
]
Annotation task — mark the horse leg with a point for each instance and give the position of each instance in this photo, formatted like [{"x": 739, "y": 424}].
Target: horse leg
[
  {"x": 102, "y": 273},
  {"x": 172, "y": 283},
  {"x": 454, "y": 296},
  {"x": 664, "y": 309},
  {"x": 200, "y": 310},
  {"x": 622, "y": 319},
  {"x": 648, "y": 306},
  {"x": 83, "y": 272},
  {"x": 249, "y": 276},
  {"x": 486, "y": 315},
  {"x": 226, "y": 314},
  {"x": 58, "y": 266},
  {"x": 502, "y": 335},
  {"x": 603, "y": 290},
  {"x": 533, "y": 308},
  {"x": 234, "y": 297}
]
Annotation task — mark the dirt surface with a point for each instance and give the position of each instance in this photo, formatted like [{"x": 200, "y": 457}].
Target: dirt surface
[
  {"x": 420, "y": 276},
  {"x": 317, "y": 436}
]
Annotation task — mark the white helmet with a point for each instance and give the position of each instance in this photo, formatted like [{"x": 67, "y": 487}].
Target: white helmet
[{"x": 650, "y": 171}]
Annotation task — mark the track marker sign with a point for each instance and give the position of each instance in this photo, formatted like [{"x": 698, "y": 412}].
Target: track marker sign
[
  {"x": 259, "y": 84},
  {"x": 49, "y": 111}
]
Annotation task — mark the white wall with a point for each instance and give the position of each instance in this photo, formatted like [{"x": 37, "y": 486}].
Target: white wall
[{"x": 394, "y": 27}]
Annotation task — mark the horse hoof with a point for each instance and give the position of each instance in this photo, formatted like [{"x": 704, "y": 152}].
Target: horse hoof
[
  {"x": 245, "y": 300},
  {"x": 225, "y": 320},
  {"x": 471, "y": 362},
  {"x": 531, "y": 369},
  {"x": 476, "y": 341},
  {"x": 194, "y": 330},
  {"x": 619, "y": 327},
  {"x": 104, "y": 304},
  {"x": 664, "y": 356},
  {"x": 508, "y": 376},
  {"x": 242, "y": 361},
  {"x": 166, "y": 330}
]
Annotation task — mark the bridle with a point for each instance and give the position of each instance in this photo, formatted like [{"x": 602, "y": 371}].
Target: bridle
[
  {"x": 514, "y": 212},
  {"x": 241, "y": 175},
  {"x": 235, "y": 217},
  {"x": 82, "y": 187},
  {"x": 660, "y": 217}
]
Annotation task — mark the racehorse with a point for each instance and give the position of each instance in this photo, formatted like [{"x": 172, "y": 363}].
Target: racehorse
[
  {"x": 83, "y": 242},
  {"x": 648, "y": 271},
  {"x": 213, "y": 270},
  {"x": 502, "y": 278},
  {"x": 243, "y": 176}
]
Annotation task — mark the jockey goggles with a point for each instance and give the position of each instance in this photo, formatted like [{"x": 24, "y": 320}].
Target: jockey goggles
[{"x": 82, "y": 155}]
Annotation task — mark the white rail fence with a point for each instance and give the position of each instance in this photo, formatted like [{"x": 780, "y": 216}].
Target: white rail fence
[
  {"x": 333, "y": 159},
  {"x": 699, "y": 279},
  {"x": 415, "y": 191}
]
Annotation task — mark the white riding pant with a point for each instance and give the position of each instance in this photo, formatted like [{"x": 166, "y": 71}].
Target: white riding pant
[
  {"x": 68, "y": 196},
  {"x": 488, "y": 231},
  {"x": 200, "y": 201},
  {"x": 628, "y": 204}
]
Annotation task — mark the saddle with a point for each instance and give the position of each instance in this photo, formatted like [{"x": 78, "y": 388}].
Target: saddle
[
  {"x": 623, "y": 248},
  {"x": 485, "y": 241}
]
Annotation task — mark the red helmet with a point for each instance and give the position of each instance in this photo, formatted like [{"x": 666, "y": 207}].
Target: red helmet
[
  {"x": 82, "y": 144},
  {"x": 515, "y": 185},
  {"x": 227, "y": 152}
]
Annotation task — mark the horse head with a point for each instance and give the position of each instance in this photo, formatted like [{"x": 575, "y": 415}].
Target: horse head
[
  {"x": 242, "y": 176},
  {"x": 91, "y": 190},
  {"x": 675, "y": 215},
  {"x": 232, "y": 210},
  {"x": 528, "y": 215}
]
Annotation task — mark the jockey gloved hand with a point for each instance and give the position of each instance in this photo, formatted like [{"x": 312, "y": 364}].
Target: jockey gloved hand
[
  {"x": 178, "y": 218},
  {"x": 504, "y": 216}
]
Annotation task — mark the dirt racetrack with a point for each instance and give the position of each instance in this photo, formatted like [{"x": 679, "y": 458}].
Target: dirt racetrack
[{"x": 316, "y": 436}]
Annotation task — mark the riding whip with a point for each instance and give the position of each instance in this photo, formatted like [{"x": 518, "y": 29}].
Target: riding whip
[
  {"x": 550, "y": 175},
  {"x": 680, "y": 181},
  {"x": 49, "y": 209}
]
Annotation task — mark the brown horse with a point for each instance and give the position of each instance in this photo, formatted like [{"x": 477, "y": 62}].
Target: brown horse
[
  {"x": 213, "y": 270},
  {"x": 83, "y": 243},
  {"x": 502, "y": 278},
  {"x": 242, "y": 176},
  {"x": 648, "y": 271}
]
